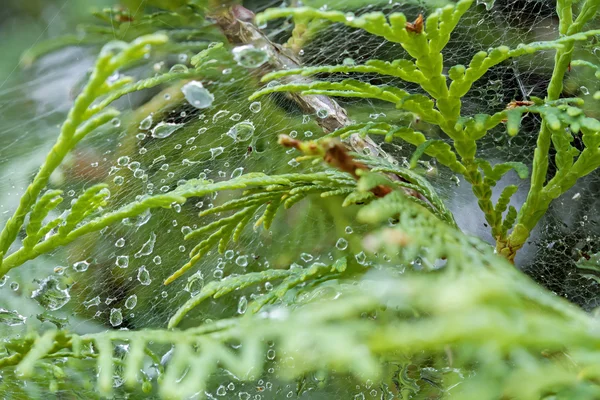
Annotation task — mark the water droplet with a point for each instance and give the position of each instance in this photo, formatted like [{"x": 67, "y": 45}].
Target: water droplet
[
  {"x": 242, "y": 261},
  {"x": 237, "y": 172},
  {"x": 194, "y": 284},
  {"x": 116, "y": 317},
  {"x": 197, "y": 95},
  {"x": 584, "y": 90},
  {"x": 488, "y": 3},
  {"x": 249, "y": 56},
  {"x": 229, "y": 254},
  {"x": 14, "y": 286},
  {"x": 116, "y": 122},
  {"x": 216, "y": 151},
  {"x": 49, "y": 295},
  {"x": 178, "y": 68},
  {"x": 255, "y": 107},
  {"x": 148, "y": 247},
  {"x": 242, "y": 305},
  {"x": 361, "y": 257},
  {"x": 221, "y": 391},
  {"x": 146, "y": 123},
  {"x": 11, "y": 318},
  {"x": 131, "y": 302},
  {"x": 341, "y": 244},
  {"x": 144, "y": 276},
  {"x": 81, "y": 266},
  {"x": 122, "y": 261},
  {"x": 293, "y": 163},
  {"x": 348, "y": 230},
  {"x": 306, "y": 257},
  {"x": 322, "y": 113},
  {"x": 164, "y": 129},
  {"x": 92, "y": 302},
  {"x": 241, "y": 131}
]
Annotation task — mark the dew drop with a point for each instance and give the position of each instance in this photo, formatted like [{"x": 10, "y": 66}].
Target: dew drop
[
  {"x": 249, "y": 56},
  {"x": 194, "y": 284},
  {"x": 146, "y": 123},
  {"x": 165, "y": 129},
  {"x": 116, "y": 317},
  {"x": 122, "y": 261},
  {"x": 242, "y": 261},
  {"x": 197, "y": 95},
  {"x": 148, "y": 247},
  {"x": 237, "y": 172},
  {"x": 215, "y": 152},
  {"x": 322, "y": 113},
  {"x": 144, "y": 276},
  {"x": 131, "y": 302},
  {"x": 178, "y": 68},
  {"x": 341, "y": 244},
  {"x": 242, "y": 305},
  {"x": 81, "y": 266},
  {"x": 49, "y": 294},
  {"x": 241, "y": 131},
  {"x": 92, "y": 302},
  {"x": 11, "y": 318},
  {"x": 255, "y": 107}
]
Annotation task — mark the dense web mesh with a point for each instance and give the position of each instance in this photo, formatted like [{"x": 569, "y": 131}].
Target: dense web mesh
[{"x": 114, "y": 279}]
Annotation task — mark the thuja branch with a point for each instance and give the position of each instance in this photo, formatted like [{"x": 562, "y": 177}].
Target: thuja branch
[
  {"x": 77, "y": 126},
  {"x": 539, "y": 196}
]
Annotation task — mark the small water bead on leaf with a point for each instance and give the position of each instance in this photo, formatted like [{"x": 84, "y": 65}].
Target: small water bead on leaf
[
  {"x": 59, "y": 270},
  {"x": 584, "y": 90},
  {"x": 197, "y": 95},
  {"x": 242, "y": 261},
  {"x": 11, "y": 318},
  {"x": 143, "y": 276},
  {"x": 229, "y": 254},
  {"x": 118, "y": 180},
  {"x": 146, "y": 123},
  {"x": 242, "y": 305},
  {"x": 293, "y": 162},
  {"x": 341, "y": 244},
  {"x": 148, "y": 247},
  {"x": 308, "y": 134},
  {"x": 236, "y": 117},
  {"x": 215, "y": 152},
  {"x": 178, "y": 68},
  {"x": 255, "y": 106},
  {"x": 131, "y": 302},
  {"x": 122, "y": 261},
  {"x": 164, "y": 129},
  {"x": 14, "y": 286},
  {"x": 81, "y": 266},
  {"x": 49, "y": 294},
  {"x": 92, "y": 302},
  {"x": 249, "y": 56},
  {"x": 3, "y": 280},
  {"x": 157, "y": 260},
  {"x": 348, "y": 230},
  {"x": 116, "y": 317}
]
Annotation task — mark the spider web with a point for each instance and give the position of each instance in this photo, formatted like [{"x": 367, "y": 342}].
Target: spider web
[{"x": 114, "y": 278}]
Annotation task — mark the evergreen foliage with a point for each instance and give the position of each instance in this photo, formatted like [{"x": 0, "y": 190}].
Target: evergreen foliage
[{"x": 444, "y": 301}]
